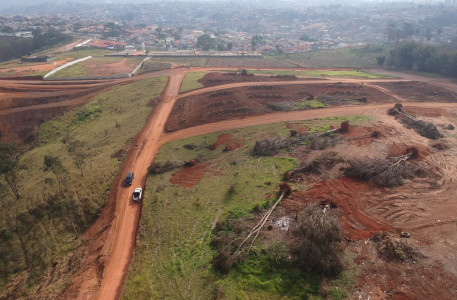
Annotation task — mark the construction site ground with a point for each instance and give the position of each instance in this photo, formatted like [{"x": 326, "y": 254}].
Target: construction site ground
[{"x": 424, "y": 207}]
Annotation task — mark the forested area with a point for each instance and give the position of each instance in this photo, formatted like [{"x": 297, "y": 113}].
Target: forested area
[
  {"x": 13, "y": 47},
  {"x": 424, "y": 58}
]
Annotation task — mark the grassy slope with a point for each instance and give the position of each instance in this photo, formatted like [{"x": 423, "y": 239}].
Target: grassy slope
[
  {"x": 172, "y": 259},
  {"x": 191, "y": 81},
  {"x": 46, "y": 224}
]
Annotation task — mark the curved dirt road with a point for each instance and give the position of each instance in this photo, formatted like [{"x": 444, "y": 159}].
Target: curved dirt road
[
  {"x": 295, "y": 82},
  {"x": 119, "y": 248},
  {"x": 289, "y": 116}
]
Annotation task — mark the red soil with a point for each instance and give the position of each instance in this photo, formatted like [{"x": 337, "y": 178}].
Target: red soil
[
  {"x": 31, "y": 69},
  {"x": 189, "y": 177},
  {"x": 344, "y": 194},
  {"x": 254, "y": 100},
  {"x": 230, "y": 142},
  {"x": 419, "y": 91},
  {"x": 399, "y": 149},
  {"x": 123, "y": 66},
  {"x": 358, "y": 135},
  {"x": 429, "y": 112}
]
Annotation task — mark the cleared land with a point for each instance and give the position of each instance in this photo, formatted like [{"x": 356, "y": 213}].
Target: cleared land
[
  {"x": 359, "y": 223},
  {"x": 173, "y": 254},
  {"x": 100, "y": 66},
  {"x": 234, "y": 181},
  {"x": 264, "y": 98}
]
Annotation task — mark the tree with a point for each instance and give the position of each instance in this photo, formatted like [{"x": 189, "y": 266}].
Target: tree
[
  {"x": 76, "y": 150},
  {"x": 317, "y": 241},
  {"x": 54, "y": 165},
  {"x": 256, "y": 41},
  {"x": 9, "y": 167},
  {"x": 229, "y": 46},
  {"x": 380, "y": 60},
  {"x": 206, "y": 42},
  {"x": 160, "y": 34}
]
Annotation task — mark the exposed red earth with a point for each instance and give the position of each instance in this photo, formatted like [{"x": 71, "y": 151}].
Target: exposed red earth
[{"x": 427, "y": 213}]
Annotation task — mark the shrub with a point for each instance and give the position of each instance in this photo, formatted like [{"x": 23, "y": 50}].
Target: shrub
[
  {"x": 317, "y": 242},
  {"x": 158, "y": 168},
  {"x": 380, "y": 171},
  {"x": 394, "y": 249},
  {"x": 268, "y": 147}
]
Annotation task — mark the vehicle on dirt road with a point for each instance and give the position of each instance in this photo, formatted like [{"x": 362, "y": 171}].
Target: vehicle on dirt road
[
  {"x": 129, "y": 179},
  {"x": 137, "y": 195}
]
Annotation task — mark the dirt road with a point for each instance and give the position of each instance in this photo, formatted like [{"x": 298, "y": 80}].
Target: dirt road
[
  {"x": 289, "y": 116},
  {"x": 119, "y": 248},
  {"x": 372, "y": 82}
]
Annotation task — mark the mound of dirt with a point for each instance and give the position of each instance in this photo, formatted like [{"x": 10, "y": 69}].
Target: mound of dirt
[
  {"x": 230, "y": 142},
  {"x": 189, "y": 177}
]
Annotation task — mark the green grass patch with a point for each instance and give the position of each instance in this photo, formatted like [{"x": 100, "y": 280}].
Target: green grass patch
[
  {"x": 46, "y": 222},
  {"x": 173, "y": 256},
  {"x": 324, "y": 73},
  {"x": 359, "y": 57},
  {"x": 76, "y": 54},
  {"x": 152, "y": 66},
  {"x": 190, "y": 82},
  {"x": 260, "y": 278}
]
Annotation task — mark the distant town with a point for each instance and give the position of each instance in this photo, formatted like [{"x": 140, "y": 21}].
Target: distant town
[{"x": 232, "y": 29}]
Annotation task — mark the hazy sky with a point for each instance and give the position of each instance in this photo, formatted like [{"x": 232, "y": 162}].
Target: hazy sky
[{"x": 8, "y": 3}]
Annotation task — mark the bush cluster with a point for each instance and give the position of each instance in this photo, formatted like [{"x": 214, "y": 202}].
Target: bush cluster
[
  {"x": 380, "y": 171},
  {"x": 158, "y": 168},
  {"x": 317, "y": 241}
]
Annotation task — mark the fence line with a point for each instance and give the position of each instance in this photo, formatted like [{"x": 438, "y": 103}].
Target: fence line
[{"x": 65, "y": 66}]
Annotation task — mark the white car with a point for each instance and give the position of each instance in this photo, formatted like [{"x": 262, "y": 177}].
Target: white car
[{"x": 137, "y": 194}]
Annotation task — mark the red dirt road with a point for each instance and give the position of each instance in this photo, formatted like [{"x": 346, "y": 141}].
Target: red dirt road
[
  {"x": 289, "y": 116},
  {"x": 119, "y": 248}
]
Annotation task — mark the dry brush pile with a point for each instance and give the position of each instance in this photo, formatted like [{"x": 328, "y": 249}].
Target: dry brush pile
[
  {"x": 272, "y": 145},
  {"x": 425, "y": 129}
]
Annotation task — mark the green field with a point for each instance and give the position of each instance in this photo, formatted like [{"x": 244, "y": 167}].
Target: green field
[
  {"x": 172, "y": 259},
  {"x": 152, "y": 66},
  {"x": 46, "y": 222},
  {"x": 359, "y": 57},
  {"x": 190, "y": 82},
  {"x": 76, "y": 54},
  {"x": 324, "y": 73}
]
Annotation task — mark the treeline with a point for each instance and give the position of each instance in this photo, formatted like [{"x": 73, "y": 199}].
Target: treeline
[
  {"x": 13, "y": 47},
  {"x": 424, "y": 58}
]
